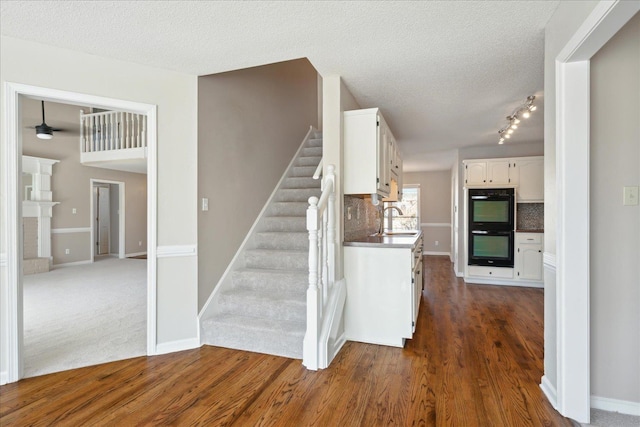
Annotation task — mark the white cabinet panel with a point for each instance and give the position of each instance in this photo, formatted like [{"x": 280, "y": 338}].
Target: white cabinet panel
[
  {"x": 498, "y": 172},
  {"x": 475, "y": 173},
  {"x": 528, "y": 256},
  {"x": 370, "y": 153},
  {"x": 530, "y": 179}
]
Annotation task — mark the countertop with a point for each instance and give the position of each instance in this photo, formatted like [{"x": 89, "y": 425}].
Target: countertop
[
  {"x": 530, "y": 231},
  {"x": 386, "y": 241}
]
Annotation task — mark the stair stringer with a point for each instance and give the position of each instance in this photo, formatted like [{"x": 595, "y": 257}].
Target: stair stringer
[{"x": 237, "y": 262}]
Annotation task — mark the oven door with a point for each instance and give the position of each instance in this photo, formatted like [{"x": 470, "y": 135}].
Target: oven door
[
  {"x": 491, "y": 211},
  {"x": 491, "y": 248}
]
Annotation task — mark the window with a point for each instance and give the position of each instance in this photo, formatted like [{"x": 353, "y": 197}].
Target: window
[{"x": 410, "y": 207}]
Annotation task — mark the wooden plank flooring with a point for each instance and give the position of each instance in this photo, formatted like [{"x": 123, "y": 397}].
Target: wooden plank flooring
[{"x": 476, "y": 360}]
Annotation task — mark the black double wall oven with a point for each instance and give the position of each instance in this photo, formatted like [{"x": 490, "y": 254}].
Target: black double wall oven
[{"x": 491, "y": 227}]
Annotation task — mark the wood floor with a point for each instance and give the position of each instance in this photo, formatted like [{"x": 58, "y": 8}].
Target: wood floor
[{"x": 476, "y": 360}]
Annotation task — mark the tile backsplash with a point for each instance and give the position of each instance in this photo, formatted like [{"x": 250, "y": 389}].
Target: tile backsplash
[
  {"x": 364, "y": 218},
  {"x": 530, "y": 216}
]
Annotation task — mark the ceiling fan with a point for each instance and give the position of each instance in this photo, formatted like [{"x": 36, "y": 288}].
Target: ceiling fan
[{"x": 44, "y": 131}]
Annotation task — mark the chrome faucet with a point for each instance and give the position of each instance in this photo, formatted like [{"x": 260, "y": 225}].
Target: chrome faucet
[{"x": 381, "y": 216}]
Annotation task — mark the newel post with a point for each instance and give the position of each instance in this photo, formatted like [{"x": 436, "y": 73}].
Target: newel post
[{"x": 310, "y": 345}]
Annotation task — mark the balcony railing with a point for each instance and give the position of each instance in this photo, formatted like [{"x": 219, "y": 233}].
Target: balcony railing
[{"x": 112, "y": 130}]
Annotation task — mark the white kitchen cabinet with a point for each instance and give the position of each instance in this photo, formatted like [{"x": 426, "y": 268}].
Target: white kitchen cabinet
[
  {"x": 528, "y": 256},
  {"x": 475, "y": 173},
  {"x": 498, "y": 172},
  {"x": 384, "y": 290},
  {"x": 528, "y": 175},
  {"x": 487, "y": 172},
  {"x": 368, "y": 150}
]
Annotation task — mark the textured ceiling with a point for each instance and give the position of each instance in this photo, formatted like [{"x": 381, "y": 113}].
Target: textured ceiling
[{"x": 445, "y": 73}]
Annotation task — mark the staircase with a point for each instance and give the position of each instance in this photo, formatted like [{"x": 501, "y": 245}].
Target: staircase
[{"x": 261, "y": 303}]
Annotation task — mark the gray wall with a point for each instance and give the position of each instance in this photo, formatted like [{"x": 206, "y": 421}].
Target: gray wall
[
  {"x": 71, "y": 187},
  {"x": 250, "y": 124},
  {"x": 492, "y": 152},
  {"x": 615, "y": 229},
  {"x": 435, "y": 207},
  {"x": 563, "y": 24}
]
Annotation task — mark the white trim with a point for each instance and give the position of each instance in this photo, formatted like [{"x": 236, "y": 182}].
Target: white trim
[
  {"x": 503, "y": 282},
  {"x": 549, "y": 390},
  {"x": 180, "y": 345},
  {"x": 72, "y": 264},
  {"x": 4, "y": 377},
  {"x": 10, "y": 162},
  {"x": 230, "y": 266},
  {"x": 3, "y": 259},
  {"x": 615, "y": 405},
  {"x": 70, "y": 230},
  {"x": 459, "y": 274},
  {"x": 135, "y": 254},
  {"x": 436, "y": 253},
  {"x": 549, "y": 260},
  {"x": 176, "y": 251},
  {"x": 435, "y": 224},
  {"x": 572, "y": 186}
]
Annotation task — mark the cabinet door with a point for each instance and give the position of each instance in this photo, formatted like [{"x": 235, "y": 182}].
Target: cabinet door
[
  {"x": 384, "y": 171},
  {"x": 529, "y": 262},
  {"x": 400, "y": 178},
  {"x": 475, "y": 173},
  {"x": 498, "y": 172},
  {"x": 530, "y": 180}
]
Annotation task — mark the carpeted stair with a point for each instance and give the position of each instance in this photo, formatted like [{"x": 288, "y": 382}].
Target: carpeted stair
[{"x": 262, "y": 308}]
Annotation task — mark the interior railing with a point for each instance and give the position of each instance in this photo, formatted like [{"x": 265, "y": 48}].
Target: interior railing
[
  {"x": 325, "y": 297},
  {"x": 112, "y": 130}
]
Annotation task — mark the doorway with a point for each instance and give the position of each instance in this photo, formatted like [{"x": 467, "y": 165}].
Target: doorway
[
  {"x": 107, "y": 216},
  {"x": 12, "y": 302}
]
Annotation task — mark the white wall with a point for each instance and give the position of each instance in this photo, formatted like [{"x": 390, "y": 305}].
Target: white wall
[
  {"x": 614, "y": 228},
  {"x": 175, "y": 94},
  {"x": 563, "y": 24}
]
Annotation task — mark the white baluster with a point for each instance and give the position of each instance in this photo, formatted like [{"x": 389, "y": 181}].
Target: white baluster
[
  {"x": 83, "y": 147},
  {"x": 138, "y": 130},
  {"x": 92, "y": 132},
  {"x": 331, "y": 226}
]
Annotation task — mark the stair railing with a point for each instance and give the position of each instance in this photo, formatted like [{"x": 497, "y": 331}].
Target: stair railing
[
  {"x": 112, "y": 130},
  {"x": 325, "y": 298}
]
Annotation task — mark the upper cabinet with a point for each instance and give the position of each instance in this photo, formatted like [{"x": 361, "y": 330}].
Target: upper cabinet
[
  {"x": 526, "y": 174},
  {"x": 529, "y": 177},
  {"x": 371, "y": 157}
]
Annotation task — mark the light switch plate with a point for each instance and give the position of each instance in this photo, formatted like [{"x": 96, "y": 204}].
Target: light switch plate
[
  {"x": 205, "y": 204},
  {"x": 630, "y": 197}
]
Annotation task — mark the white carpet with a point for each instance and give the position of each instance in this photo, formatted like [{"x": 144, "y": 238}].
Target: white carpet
[{"x": 84, "y": 315}]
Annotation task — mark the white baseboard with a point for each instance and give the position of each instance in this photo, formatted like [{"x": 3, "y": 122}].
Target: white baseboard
[
  {"x": 436, "y": 253},
  {"x": 549, "y": 390},
  {"x": 135, "y": 254},
  {"x": 180, "y": 345},
  {"x": 72, "y": 264},
  {"x": 4, "y": 377},
  {"x": 459, "y": 274},
  {"x": 615, "y": 405},
  {"x": 176, "y": 251}
]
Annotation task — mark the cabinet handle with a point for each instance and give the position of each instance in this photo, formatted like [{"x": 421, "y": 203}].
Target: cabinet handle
[
  {"x": 490, "y": 180},
  {"x": 484, "y": 180}
]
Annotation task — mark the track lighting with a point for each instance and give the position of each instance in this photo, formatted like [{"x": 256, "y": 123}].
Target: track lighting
[{"x": 513, "y": 120}]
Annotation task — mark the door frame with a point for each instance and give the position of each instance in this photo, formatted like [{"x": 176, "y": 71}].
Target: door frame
[
  {"x": 573, "y": 121},
  {"x": 12, "y": 302},
  {"x": 121, "y": 215}
]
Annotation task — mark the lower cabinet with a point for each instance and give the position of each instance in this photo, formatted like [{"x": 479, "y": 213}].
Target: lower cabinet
[
  {"x": 528, "y": 256},
  {"x": 384, "y": 289}
]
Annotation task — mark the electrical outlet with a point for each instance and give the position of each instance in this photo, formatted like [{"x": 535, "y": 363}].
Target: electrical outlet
[
  {"x": 205, "y": 204},
  {"x": 140, "y": 243},
  {"x": 349, "y": 212},
  {"x": 437, "y": 243},
  {"x": 630, "y": 197},
  {"x": 67, "y": 251},
  {"x": 74, "y": 211}
]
